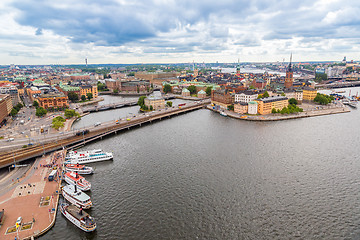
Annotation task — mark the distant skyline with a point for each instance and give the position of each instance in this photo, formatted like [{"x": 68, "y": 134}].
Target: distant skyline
[{"x": 177, "y": 31}]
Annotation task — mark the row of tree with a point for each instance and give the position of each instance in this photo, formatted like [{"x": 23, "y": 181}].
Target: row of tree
[
  {"x": 16, "y": 109},
  {"x": 323, "y": 99},
  {"x": 74, "y": 97}
]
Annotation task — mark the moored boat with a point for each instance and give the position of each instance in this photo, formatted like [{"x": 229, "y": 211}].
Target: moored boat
[
  {"x": 97, "y": 155},
  {"x": 75, "y": 179},
  {"x": 222, "y": 113},
  {"x": 78, "y": 217},
  {"x": 80, "y": 169},
  {"x": 76, "y": 196}
]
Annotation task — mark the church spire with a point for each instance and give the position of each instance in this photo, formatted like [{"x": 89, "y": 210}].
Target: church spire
[{"x": 289, "y": 67}]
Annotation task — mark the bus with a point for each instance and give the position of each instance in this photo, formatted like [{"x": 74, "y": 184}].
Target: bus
[{"x": 52, "y": 175}]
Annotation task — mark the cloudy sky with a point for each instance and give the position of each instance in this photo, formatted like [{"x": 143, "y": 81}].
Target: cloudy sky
[{"x": 172, "y": 31}]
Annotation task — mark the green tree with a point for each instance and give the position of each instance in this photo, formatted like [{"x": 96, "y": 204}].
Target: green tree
[
  {"x": 319, "y": 77},
  {"x": 323, "y": 99},
  {"x": 141, "y": 101},
  {"x": 83, "y": 98},
  {"x": 58, "y": 122},
  {"x": 169, "y": 103},
  {"x": 89, "y": 96},
  {"x": 266, "y": 94},
  {"x": 73, "y": 96},
  {"x": 137, "y": 89},
  {"x": 293, "y": 101},
  {"x": 208, "y": 91},
  {"x": 230, "y": 107},
  {"x": 36, "y": 104},
  {"x": 131, "y": 74},
  {"x": 151, "y": 108},
  {"x": 260, "y": 96},
  {"x": 116, "y": 91},
  {"x": 167, "y": 88},
  {"x": 273, "y": 110},
  {"x": 251, "y": 87},
  {"x": 192, "y": 89},
  {"x": 69, "y": 113},
  {"x": 13, "y": 112},
  {"x": 40, "y": 111}
]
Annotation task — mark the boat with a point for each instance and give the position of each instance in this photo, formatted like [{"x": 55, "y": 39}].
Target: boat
[
  {"x": 352, "y": 104},
  {"x": 80, "y": 169},
  {"x": 222, "y": 113},
  {"x": 342, "y": 91},
  {"x": 88, "y": 156},
  {"x": 78, "y": 217},
  {"x": 76, "y": 196},
  {"x": 75, "y": 179}
]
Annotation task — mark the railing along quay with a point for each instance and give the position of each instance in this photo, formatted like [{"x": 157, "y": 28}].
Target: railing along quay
[{"x": 9, "y": 158}]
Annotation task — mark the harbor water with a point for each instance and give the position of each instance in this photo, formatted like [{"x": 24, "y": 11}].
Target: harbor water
[{"x": 203, "y": 176}]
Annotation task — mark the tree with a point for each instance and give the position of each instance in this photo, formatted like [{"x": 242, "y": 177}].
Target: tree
[
  {"x": 230, "y": 107},
  {"x": 101, "y": 86},
  {"x": 266, "y": 94},
  {"x": 116, "y": 91},
  {"x": 69, "y": 113},
  {"x": 293, "y": 101},
  {"x": 319, "y": 77},
  {"x": 36, "y": 104},
  {"x": 260, "y": 96},
  {"x": 138, "y": 89},
  {"x": 131, "y": 74},
  {"x": 73, "y": 96},
  {"x": 141, "y": 101},
  {"x": 58, "y": 122},
  {"x": 192, "y": 89},
  {"x": 273, "y": 110},
  {"x": 13, "y": 112},
  {"x": 83, "y": 98},
  {"x": 89, "y": 95},
  {"x": 208, "y": 91},
  {"x": 40, "y": 111},
  {"x": 167, "y": 88},
  {"x": 169, "y": 103},
  {"x": 151, "y": 108},
  {"x": 252, "y": 87}
]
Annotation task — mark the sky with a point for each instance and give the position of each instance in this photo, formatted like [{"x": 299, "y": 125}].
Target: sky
[{"x": 177, "y": 31}]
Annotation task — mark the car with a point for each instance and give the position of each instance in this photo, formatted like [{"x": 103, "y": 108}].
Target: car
[
  {"x": 30, "y": 144},
  {"x": 10, "y": 139}
]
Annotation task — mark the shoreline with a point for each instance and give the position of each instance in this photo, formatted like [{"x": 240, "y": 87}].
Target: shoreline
[{"x": 276, "y": 117}]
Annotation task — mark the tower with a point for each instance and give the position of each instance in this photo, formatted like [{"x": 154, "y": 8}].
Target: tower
[
  {"x": 238, "y": 68},
  {"x": 86, "y": 62},
  {"x": 289, "y": 75}
]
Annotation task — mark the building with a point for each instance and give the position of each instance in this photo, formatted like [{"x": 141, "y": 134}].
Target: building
[
  {"x": 79, "y": 77},
  {"x": 253, "y": 107},
  {"x": 259, "y": 83},
  {"x": 245, "y": 96},
  {"x": 5, "y": 107},
  {"x": 294, "y": 93},
  {"x": 241, "y": 107},
  {"x": 201, "y": 94},
  {"x": 222, "y": 98},
  {"x": 265, "y": 105},
  {"x": 128, "y": 86},
  {"x": 289, "y": 79},
  {"x": 85, "y": 89},
  {"x": 53, "y": 100},
  {"x": 33, "y": 93},
  {"x": 309, "y": 94},
  {"x": 158, "y": 77},
  {"x": 155, "y": 100},
  {"x": 185, "y": 92}
]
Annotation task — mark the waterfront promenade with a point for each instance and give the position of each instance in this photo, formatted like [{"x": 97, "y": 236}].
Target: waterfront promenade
[
  {"x": 31, "y": 197},
  {"x": 309, "y": 111}
]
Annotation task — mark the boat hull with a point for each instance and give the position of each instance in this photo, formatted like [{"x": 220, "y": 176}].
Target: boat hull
[
  {"x": 70, "y": 199},
  {"x": 90, "y": 160},
  {"x": 82, "y": 188}
]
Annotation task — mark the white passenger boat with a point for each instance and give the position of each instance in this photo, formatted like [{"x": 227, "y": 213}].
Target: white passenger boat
[
  {"x": 76, "y": 196},
  {"x": 78, "y": 217},
  {"x": 75, "y": 179},
  {"x": 222, "y": 113},
  {"x": 80, "y": 169},
  {"x": 97, "y": 155}
]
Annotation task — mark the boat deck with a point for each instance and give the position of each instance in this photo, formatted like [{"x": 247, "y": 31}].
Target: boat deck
[{"x": 75, "y": 211}]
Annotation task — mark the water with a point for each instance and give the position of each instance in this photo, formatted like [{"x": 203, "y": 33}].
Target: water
[{"x": 204, "y": 176}]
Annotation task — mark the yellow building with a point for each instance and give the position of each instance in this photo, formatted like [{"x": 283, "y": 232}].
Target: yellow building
[
  {"x": 157, "y": 102},
  {"x": 309, "y": 94},
  {"x": 265, "y": 105},
  {"x": 84, "y": 90},
  {"x": 241, "y": 107}
]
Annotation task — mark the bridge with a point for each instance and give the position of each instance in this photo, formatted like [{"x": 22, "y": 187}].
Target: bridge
[
  {"x": 72, "y": 140},
  {"x": 98, "y": 108},
  {"x": 338, "y": 84}
]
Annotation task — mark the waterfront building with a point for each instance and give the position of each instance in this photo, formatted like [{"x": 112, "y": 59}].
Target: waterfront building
[
  {"x": 252, "y": 107},
  {"x": 265, "y": 105},
  {"x": 309, "y": 94},
  {"x": 289, "y": 79},
  {"x": 201, "y": 94},
  {"x": 127, "y": 86},
  {"x": 155, "y": 100},
  {"x": 53, "y": 100},
  {"x": 294, "y": 93},
  {"x": 245, "y": 96},
  {"x": 65, "y": 88},
  {"x": 5, "y": 107},
  {"x": 222, "y": 98},
  {"x": 241, "y": 107},
  {"x": 85, "y": 89},
  {"x": 185, "y": 92}
]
